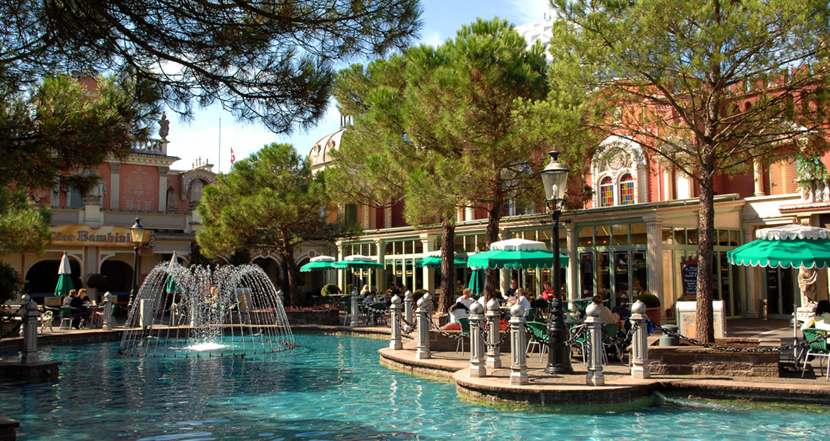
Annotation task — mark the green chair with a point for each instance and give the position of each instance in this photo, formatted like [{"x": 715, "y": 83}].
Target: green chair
[
  {"x": 611, "y": 330},
  {"x": 530, "y": 315},
  {"x": 66, "y": 318},
  {"x": 347, "y": 308},
  {"x": 582, "y": 341},
  {"x": 378, "y": 316},
  {"x": 465, "y": 332},
  {"x": 539, "y": 334},
  {"x": 817, "y": 349}
]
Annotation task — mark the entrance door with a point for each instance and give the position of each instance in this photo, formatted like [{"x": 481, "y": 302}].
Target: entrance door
[{"x": 780, "y": 288}]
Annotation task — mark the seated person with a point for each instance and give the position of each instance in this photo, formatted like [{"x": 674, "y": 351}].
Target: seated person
[
  {"x": 622, "y": 310},
  {"x": 370, "y": 299},
  {"x": 605, "y": 314},
  {"x": 822, "y": 318},
  {"x": 461, "y": 307},
  {"x": 547, "y": 292},
  {"x": 522, "y": 299}
]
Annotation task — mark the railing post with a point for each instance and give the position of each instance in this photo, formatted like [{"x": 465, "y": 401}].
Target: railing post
[
  {"x": 595, "y": 347},
  {"x": 639, "y": 344},
  {"x": 30, "y": 315},
  {"x": 422, "y": 324},
  {"x": 355, "y": 311},
  {"x": 518, "y": 339},
  {"x": 395, "y": 308},
  {"x": 477, "y": 368},
  {"x": 408, "y": 309},
  {"x": 107, "y": 325},
  {"x": 493, "y": 334}
]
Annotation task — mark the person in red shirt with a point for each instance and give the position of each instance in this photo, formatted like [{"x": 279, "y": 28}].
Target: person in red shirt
[{"x": 548, "y": 292}]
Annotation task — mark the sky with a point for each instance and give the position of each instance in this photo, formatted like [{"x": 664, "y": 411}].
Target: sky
[{"x": 207, "y": 140}]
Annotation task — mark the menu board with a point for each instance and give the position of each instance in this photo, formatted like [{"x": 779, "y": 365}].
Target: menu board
[{"x": 688, "y": 270}]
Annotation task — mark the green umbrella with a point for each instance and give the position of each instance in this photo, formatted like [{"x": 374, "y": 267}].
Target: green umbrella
[
  {"x": 476, "y": 284},
  {"x": 515, "y": 254},
  {"x": 171, "y": 285},
  {"x": 358, "y": 262},
  {"x": 433, "y": 260},
  {"x": 64, "y": 278},
  {"x": 319, "y": 263},
  {"x": 791, "y": 246}
]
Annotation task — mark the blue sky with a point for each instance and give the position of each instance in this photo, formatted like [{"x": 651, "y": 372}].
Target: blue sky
[{"x": 441, "y": 19}]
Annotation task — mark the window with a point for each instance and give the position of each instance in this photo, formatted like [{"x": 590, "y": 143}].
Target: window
[
  {"x": 606, "y": 192},
  {"x": 351, "y": 213},
  {"x": 626, "y": 189}
]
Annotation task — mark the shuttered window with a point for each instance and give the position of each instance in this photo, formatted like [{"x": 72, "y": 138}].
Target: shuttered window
[{"x": 782, "y": 176}]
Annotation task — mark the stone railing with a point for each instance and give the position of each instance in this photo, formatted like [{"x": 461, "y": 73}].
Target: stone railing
[{"x": 151, "y": 147}]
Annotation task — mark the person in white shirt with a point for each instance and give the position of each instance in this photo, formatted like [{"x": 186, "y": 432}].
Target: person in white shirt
[
  {"x": 521, "y": 299},
  {"x": 461, "y": 308}
]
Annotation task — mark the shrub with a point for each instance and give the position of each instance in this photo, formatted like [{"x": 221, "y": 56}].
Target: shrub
[
  {"x": 97, "y": 281},
  {"x": 651, "y": 300},
  {"x": 349, "y": 288},
  {"x": 331, "y": 288}
]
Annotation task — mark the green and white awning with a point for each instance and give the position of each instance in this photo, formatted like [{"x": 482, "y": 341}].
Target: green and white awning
[
  {"x": 356, "y": 261},
  {"x": 515, "y": 254},
  {"x": 319, "y": 263},
  {"x": 433, "y": 260},
  {"x": 790, "y": 246}
]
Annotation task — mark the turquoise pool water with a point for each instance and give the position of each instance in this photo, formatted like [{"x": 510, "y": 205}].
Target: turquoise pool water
[{"x": 329, "y": 388}]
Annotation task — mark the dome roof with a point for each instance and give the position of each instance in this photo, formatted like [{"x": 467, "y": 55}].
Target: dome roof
[{"x": 319, "y": 153}]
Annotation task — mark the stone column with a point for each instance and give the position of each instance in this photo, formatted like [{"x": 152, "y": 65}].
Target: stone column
[
  {"x": 753, "y": 296},
  {"x": 355, "y": 311},
  {"x": 758, "y": 176},
  {"x": 408, "y": 310},
  {"x": 654, "y": 259},
  {"x": 573, "y": 263},
  {"x": 477, "y": 367},
  {"x": 518, "y": 336},
  {"x": 639, "y": 343},
  {"x": 380, "y": 275},
  {"x": 422, "y": 352},
  {"x": 427, "y": 242},
  {"x": 469, "y": 213},
  {"x": 341, "y": 273},
  {"x": 108, "y": 324},
  {"x": 30, "y": 315},
  {"x": 595, "y": 348},
  {"x": 115, "y": 181},
  {"x": 493, "y": 334},
  {"x": 395, "y": 308},
  {"x": 163, "y": 187}
]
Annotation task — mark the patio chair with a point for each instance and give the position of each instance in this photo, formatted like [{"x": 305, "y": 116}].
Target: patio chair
[
  {"x": 66, "y": 318},
  {"x": 465, "y": 332},
  {"x": 608, "y": 335},
  {"x": 582, "y": 341},
  {"x": 817, "y": 349},
  {"x": 539, "y": 337},
  {"x": 378, "y": 316}
]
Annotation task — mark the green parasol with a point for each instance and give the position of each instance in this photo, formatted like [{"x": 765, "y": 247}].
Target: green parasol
[
  {"x": 476, "y": 284},
  {"x": 64, "y": 277},
  {"x": 357, "y": 261},
  {"x": 515, "y": 254},
  {"x": 171, "y": 285},
  {"x": 790, "y": 246},
  {"x": 433, "y": 260},
  {"x": 319, "y": 263}
]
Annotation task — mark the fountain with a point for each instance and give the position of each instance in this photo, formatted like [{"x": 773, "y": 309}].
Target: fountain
[{"x": 195, "y": 312}]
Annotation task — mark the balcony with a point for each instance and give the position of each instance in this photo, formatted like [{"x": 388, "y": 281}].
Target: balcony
[{"x": 157, "y": 147}]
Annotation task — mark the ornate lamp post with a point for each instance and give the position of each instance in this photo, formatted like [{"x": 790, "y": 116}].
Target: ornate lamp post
[
  {"x": 554, "y": 179},
  {"x": 137, "y": 235}
]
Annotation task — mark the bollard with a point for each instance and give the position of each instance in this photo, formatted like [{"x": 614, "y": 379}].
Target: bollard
[
  {"x": 355, "y": 310},
  {"x": 477, "y": 368},
  {"x": 408, "y": 310},
  {"x": 559, "y": 354},
  {"x": 595, "y": 347},
  {"x": 30, "y": 315},
  {"x": 422, "y": 324},
  {"x": 395, "y": 308},
  {"x": 639, "y": 344},
  {"x": 107, "y": 325},
  {"x": 493, "y": 351},
  {"x": 518, "y": 337},
  {"x": 430, "y": 305},
  {"x": 24, "y": 300}
]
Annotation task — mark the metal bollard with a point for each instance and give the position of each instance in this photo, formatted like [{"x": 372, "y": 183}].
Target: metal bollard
[
  {"x": 30, "y": 315},
  {"x": 408, "y": 310},
  {"x": 595, "y": 347},
  {"x": 518, "y": 341},
  {"x": 493, "y": 334},
  {"x": 395, "y": 308},
  {"x": 107, "y": 325},
  {"x": 639, "y": 343},
  {"x": 477, "y": 368},
  {"x": 355, "y": 310},
  {"x": 422, "y": 324}
]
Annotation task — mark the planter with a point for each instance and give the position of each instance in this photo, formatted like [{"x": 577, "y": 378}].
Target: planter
[
  {"x": 694, "y": 360},
  {"x": 654, "y": 315}
]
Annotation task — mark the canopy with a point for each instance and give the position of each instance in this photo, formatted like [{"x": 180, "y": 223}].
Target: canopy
[
  {"x": 791, "y": 246},
  {"x": 319, "y": 263},
  {"x": 515, "y": 254},
  {"x": 64, "y": 278},
  {"x": 433, "y": 260},
  {"x": 357, "y": 261},
  {"x": 476, "y": 284}
]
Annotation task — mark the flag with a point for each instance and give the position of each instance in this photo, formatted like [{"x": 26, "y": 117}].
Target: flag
[{"x": 233, "y": 158}]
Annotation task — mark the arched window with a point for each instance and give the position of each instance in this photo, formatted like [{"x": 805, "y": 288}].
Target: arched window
[
  {"x": 606, "y": 192},
  {"x": 626, "y": 189}
]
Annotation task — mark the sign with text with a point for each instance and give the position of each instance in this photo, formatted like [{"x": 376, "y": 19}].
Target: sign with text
[
  {"x": 84, "y": 235},
  {"x": 688, "y": 270}
]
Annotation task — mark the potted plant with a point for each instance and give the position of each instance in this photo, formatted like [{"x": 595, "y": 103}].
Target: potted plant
[
  {"x": 331, "y": 288},
  {"x": 96, "y": 283},
  {"x": 652, "y": 306}
]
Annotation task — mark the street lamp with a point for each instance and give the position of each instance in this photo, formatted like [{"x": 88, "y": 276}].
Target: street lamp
[
  {"x": 137, "y": 233},
  {"x": 554, "y": 179}
]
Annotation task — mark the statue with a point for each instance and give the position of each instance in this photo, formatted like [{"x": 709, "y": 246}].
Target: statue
[
  {"x": 164, "y": 127},
  {"x": 807, "y": 283}
]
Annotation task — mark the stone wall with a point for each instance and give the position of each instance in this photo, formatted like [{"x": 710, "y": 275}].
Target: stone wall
[
  {"x": 330, "y": 318},
  {"x": 693, "y": 360}
]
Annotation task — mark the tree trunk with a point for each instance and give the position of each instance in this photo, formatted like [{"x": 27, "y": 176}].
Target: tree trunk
[
  {"x": 291, "y": 273},
  {"x": 447, "y": 266},
  {"x": 493, "y": 218},
  {"x": 705, "y": 329}
]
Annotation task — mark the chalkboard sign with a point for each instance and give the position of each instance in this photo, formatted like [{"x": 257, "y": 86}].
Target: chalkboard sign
[{"x": 689, "y": 276}]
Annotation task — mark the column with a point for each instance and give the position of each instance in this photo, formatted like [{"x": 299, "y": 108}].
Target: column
[
  {"x": 595, "y": 348},
  {"x": 572, "y": 275},
  {"x": 758, "y": 176},
  {"x": 518, "y": 356},
  {"x": 493, "y": 335},
  {"x": 477, "y": 349},
  {"x": 163, "y": 187},
  {"x": 654, "y": 259},
  {"x": 428, "y": 243},
  {"x": 469, "y": 213},
  {"x": 380, "y": 275},
  {"x": 752, "y": 294},
  {"x": 341, "y": 273},
  {"x": 115, "y": 180}
]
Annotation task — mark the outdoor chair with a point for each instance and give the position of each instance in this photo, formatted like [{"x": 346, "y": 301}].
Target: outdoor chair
[
  {"x": 465, "y": 332},
  {"x": 582, "y": 341},
  {"x": 538, "y": 337},
  {"x": 530, "y": 315},
  {"x": 817, "y": 349},
  {"x": 608, "y": 335},
  {"x": 49, "y": 315},
  {"x": 378, "y": 316},
  {"x": 66, "y": 318}
]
